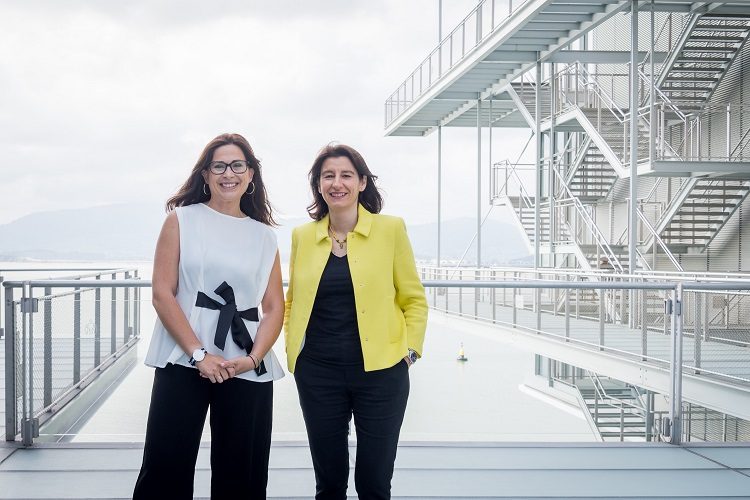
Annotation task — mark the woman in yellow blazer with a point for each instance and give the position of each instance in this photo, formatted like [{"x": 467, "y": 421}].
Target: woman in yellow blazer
[{"x": 355, "y": 322}]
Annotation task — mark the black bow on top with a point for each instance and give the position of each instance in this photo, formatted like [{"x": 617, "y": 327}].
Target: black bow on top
[{"x": 231, "y": 318}]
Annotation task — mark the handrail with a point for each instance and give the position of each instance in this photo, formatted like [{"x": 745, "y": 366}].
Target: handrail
[
  {"x": 445, "y": 46},
  {"x": 511, "y": 168},
  {"x": 736, "y": 153},
  {"x": 658, "y": 239},
  {"x": 697, "y": 276},
  {"x": 589, "y": 80},
  {"x": 591, "y": 224},
  {"x": 663, "y": 96},
  {"x": 582, "y": 152},
  {"x": 650, "y": 52}
]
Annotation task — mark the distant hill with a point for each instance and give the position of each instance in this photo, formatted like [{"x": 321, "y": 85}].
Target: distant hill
[
  {"x": 502, "y": 242},
  {"x": 129, "y": 232},
  {"x": 111, "y": 232}
]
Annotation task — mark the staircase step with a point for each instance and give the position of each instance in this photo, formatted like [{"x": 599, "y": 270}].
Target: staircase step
[
  {"x": 678, "y": 88},
  {"x": 693, "y": 69},
  {"x": 717, "y": 39},
  {"x": 706, "y": 50},
  {"x": 705, "y": 205},
  {"x": 690, "y": 79},
  {"x": 704, "y": 59},
  {"x": 725, "y": 17}
]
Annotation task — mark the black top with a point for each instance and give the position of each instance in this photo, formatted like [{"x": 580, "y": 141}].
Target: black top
[{"x": 332, "y": 332}]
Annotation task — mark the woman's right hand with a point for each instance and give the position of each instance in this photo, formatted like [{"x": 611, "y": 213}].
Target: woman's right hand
[{"x": 211, "y": 369}]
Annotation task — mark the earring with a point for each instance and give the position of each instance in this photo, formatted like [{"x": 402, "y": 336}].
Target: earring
[
  {"x": 204, "y": 189},
  {"x": 251, "y": 191}
]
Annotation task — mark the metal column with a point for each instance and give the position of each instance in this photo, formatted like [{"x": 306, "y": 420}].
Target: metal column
[
  {"x": 550, "y": 169},
  {"x": 439, "y": 135},
  {"x": 11, "y": 363},
  {"x": 537, "y": 162},
  {"x": 675, "y": 393},
  {"x": 479, "y": 182},
  {"x": 652, "y": 89},
  {"x": 439, "y": 188},
  {"x": 632, "y": 218}
]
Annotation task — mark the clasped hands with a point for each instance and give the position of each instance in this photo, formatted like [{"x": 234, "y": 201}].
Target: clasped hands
[{"x": 218, "y": 370}]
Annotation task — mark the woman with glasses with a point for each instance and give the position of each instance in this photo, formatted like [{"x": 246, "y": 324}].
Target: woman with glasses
[
  {"x": 216, "y": 264},
  {"x": 355, "y": 321}
]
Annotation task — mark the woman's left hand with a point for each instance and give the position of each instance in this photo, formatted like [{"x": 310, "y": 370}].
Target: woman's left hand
[{"x": 239, "y": 365}]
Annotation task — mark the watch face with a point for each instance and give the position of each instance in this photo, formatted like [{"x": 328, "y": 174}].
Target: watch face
[
  {"x": 199, "y": 354},
  {"x": 413, "y": 356}
]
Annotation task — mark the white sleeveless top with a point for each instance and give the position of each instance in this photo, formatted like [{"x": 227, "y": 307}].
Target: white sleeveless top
[{"x": 214, "y": 248}]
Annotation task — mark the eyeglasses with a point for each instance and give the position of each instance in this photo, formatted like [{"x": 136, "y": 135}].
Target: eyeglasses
[{"x": 237, "y": 166}]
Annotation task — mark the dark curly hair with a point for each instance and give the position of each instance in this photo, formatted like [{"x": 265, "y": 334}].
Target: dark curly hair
[{"x": 253, "y": 205}]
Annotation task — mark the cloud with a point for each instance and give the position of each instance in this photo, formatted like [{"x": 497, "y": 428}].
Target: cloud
[{"x": 112, "y": 102}]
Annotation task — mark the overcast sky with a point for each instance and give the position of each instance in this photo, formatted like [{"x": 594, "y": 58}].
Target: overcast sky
[{"x": 111, "y": 102}]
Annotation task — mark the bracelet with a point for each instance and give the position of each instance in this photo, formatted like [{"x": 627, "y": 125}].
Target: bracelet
[{"x": 255, "y": 361}]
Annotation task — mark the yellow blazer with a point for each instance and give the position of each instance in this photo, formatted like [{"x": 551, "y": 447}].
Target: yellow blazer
[{"x": 389, "y": 296}]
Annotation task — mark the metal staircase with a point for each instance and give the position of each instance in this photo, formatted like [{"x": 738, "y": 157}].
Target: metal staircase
[
  {"x": 593, "y": 178},
  {"x": 708, "y": 45},
  {"x": 523, "y": 93},
  {"x": 705, "y": 207},
  {"x": 616, "y": 410}
]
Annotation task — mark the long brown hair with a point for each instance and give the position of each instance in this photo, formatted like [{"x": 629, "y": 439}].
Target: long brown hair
[
  {"x": 253, "y": 205},
  {"x": 370, "y": 198}
]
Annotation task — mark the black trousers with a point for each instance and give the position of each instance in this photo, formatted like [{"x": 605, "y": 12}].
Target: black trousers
[
  {"x": 329, "y": 395},
  {"x": 241, "y": 413}
]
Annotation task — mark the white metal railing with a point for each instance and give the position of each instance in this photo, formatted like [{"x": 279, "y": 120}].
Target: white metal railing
[
  {"x": 59, "y": 338},
  {"x": 482, "y": 21},
  {"x": 512, "y": 187},
  {"x": 676, "y": 336},
  {"x": 722, "y": 120}
]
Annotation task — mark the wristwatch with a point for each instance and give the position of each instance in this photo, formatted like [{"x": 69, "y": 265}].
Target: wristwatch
[
  {"x": 413, "y": 357},
  {"x": 198, "y": 355}
]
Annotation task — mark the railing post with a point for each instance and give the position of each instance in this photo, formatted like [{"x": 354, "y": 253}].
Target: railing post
[
  {"x": 649, "y": 415},
  {"x": 477, "y": 296},
  {"x": 76, "y": 335},
  {"x": 493, "y": 290},
  {"x": 567, "y": 315},
  {"x": 697, "y": 334},
  {"x": 460, "y": 299},
  {"x": 729, "y": 131},
  {"x": 447, "y": 289},
  {"x": 28, "y": 425},
  {"x": 644, "y": 325},
  {"x": 47, "y": 371},
  {"x": 479, "y": 25},
  {"x": 126, "y": 312},
  {"x": 675, "y": 393},
  {"x": 11, "y": 413},
  {"x": 706, "y": 321},
  {"x": 601, "y": 318},
  {"x": 97, "y": 325},
  {"x": 463, "y": 39},
  {"x": 515, "y": 309},
  {"x": 113, "y": 318}
]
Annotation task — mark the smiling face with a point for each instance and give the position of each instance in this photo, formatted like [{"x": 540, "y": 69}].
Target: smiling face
[
  {"x": 229, "y": 186},
  {"x": 340, "y": 184}
]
